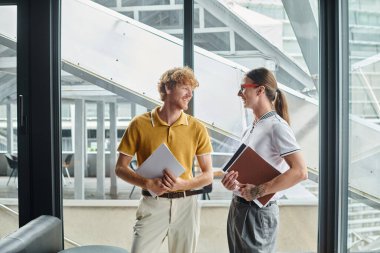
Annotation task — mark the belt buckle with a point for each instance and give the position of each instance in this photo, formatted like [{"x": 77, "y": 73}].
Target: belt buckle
[{"x": 175, "y": 195}]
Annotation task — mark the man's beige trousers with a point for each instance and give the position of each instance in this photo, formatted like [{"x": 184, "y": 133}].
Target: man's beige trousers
[{"x": 178, "y": 219}]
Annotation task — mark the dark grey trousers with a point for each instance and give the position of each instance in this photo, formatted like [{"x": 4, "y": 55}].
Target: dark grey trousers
[{"x": 250, "y": 228}]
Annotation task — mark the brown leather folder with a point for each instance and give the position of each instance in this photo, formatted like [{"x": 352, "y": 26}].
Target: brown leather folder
[{"x": 252, "y": 168}]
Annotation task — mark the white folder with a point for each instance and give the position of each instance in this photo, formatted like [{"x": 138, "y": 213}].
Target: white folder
[{"x": 162, "y": 158}]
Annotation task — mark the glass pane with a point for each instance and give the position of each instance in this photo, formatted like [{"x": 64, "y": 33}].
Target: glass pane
[
  {"x": 8, "y": 121},
  {"x": 162, "y": 19},
  {"x": 107, "y": 3},
  {"x": 110, "y": 68},
  {"x": 218, "y": 41},
  {"x": 242, "y": 44},
  {"x": 220, "y": 72},
  {"x": 144, "y": 2},
  {"x": 211, "y": 21},
  {"x": 364, "y": 96}
]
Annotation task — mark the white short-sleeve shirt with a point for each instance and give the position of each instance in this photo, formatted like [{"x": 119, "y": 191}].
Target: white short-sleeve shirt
[{"x": 272, "y": 138}]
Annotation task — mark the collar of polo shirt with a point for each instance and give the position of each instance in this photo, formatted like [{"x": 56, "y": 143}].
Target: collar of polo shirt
[{"x": 156, "y": 120}]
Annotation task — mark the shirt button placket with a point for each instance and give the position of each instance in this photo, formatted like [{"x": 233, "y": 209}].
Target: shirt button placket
[{"x": 168, "y": 136}]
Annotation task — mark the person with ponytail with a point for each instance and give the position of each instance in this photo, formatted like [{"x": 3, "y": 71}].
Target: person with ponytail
[{"x": 249, "y": 227}]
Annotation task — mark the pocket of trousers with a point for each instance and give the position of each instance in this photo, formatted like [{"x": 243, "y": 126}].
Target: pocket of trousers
[
  {"x": 269, "y": 220},
  {"x": 143, "y": 210}
]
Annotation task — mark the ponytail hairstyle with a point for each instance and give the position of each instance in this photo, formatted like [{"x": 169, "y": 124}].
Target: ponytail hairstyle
[{"x": 264, "y": 77}]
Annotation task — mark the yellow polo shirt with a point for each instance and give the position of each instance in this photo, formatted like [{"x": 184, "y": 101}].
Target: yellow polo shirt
[{"x": 185, "y": 138}]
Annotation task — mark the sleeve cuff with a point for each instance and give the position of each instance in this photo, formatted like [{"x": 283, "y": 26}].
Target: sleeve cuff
[
  {"x": 121, "y": 152},
  {"x": 290, "y": 152}
]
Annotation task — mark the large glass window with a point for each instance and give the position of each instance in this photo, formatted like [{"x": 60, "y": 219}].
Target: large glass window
[
  {"x": 251, "y": 26},
  {"x": 110, "y": 68},
  {"x": 364, "y": 107},
  {"x": 8, "y": 121}
]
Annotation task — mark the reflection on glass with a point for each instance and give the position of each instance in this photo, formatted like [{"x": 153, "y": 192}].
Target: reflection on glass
[
  {"x": 364, "y": 96},
  {"x": 8, "y": 121},
  {"x": 8, "y": 106}
]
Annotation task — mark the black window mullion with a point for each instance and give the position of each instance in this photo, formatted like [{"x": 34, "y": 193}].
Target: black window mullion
[
  {"x": 333, "y": 105},
  {"x": 38, "y": 68},
  {"x": 188, "y": 41}
]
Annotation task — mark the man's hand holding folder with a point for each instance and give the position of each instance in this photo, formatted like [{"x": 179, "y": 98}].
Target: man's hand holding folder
[
  {"x": 168, "y": 183},
  {"x": 172, "y": 182},
  {"x": 156, "y": 187},
  {"x": 163, "y": 169}
]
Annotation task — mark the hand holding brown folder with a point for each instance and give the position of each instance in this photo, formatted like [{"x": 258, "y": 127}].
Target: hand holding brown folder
[{"x": 252, "y": 168}]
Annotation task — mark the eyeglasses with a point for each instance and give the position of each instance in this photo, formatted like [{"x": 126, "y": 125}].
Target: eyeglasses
[{"x": 247, "y": 85}]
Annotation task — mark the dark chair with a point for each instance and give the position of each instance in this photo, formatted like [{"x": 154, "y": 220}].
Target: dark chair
[
  {"x": 206, "y": 190},
  {"x": 42, "y": 235},
  {"x": 133, "y": 165},
  {"x": 66, "y": 165},
  {"x": 13, "y": 164}
]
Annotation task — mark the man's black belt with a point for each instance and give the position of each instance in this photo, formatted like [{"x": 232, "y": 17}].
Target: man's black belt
[
  {"x": 175, "y": 195},
  {"x": 252, "y": 203}
]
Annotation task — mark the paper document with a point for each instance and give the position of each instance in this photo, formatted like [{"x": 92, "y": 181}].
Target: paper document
[
  {"x": 253, "y": 169},
  {"x": 157, "y": 162}
]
